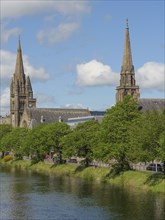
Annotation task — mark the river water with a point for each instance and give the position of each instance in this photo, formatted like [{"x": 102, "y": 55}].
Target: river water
[{"x": 29, "y": 196}]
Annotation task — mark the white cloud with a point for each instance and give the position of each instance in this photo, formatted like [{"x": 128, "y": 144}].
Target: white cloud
[
  {"x": 151, "y": 76},
  {"x": 7, "y": 68},
  {"x": 17, "y": 9},
  {"x": 5, "y": 102},
  {"x": 95, "y": 73},
  {"x": 7, "y": 33},
  {"x": 58, "y": 34}
]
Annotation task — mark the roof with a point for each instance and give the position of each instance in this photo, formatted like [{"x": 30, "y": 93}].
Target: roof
[
  {"x": 149, "y": 104},
  {"x": 50, "y": 115},
  {"x": 97, "y": 113}
]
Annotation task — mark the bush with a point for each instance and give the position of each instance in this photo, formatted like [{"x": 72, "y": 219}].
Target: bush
[
  {"x": 37, "y": 158},
  {"x": 8, "y": 158}
]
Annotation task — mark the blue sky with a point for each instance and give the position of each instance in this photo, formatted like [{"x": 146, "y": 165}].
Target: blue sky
[{"x": 72, "y": 50}]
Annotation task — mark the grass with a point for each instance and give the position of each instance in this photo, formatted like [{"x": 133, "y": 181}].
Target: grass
[{"x": 154, "y": 182}]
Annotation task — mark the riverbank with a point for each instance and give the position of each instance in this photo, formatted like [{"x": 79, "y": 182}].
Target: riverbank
[{"x": 148, "y": 181}]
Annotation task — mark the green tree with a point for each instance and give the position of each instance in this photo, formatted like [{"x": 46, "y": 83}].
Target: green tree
[
  {"x": 45, "y": 138},
  {"x": 116, "y": 126},
  {"x": 54, "y": 133},
  {"x": 4, "y": 130},
  {"x": 82, "y": 140},
  {"x": 145, "y": 136},
  {"x": 34, "y": 143},
  {"x": 161, "y": 150},
  {"x": 13, "y": 141}
]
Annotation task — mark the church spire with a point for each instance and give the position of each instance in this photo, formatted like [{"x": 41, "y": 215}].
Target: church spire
[
  {"x": 21, "y": 93},
  {"x": 19, "y": 69},
  {"x": 127, "y": 75},
  {"x": 127, "y": 56}
]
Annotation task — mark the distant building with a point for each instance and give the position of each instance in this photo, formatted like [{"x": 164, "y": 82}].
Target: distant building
[
  {"x": 95, "y": 115},
  {"x": 73, "y": 122},
  {"x": 23, "y": 110},
  {"x": 150, "y": 104},
  {"x": 5, "y": 120},
  {"x": 21, "y": 93},
  {"x": 127, "y": 76},
  {"x": 35, "y": 116},
  {"x": 128, "y": 83}
]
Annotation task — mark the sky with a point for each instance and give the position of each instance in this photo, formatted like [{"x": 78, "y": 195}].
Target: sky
[{"x": 73, "y": 50}]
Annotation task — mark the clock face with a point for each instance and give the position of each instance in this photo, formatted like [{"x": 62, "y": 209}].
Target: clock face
[{"x": 30, "y": 105}]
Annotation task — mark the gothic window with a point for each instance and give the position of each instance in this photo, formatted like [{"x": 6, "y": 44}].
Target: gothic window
[{"x": 21, "y": 104}]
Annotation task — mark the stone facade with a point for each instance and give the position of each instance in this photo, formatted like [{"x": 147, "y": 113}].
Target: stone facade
[
  {"x": 23, "y": 111},
  {"x": 127, "y": 75},
  {"x": 21, "y": 93}
]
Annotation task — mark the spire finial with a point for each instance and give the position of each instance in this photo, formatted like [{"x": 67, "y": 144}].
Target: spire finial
[
  {"x": 19, "y": 42},
  {"x": 127, "y": 23}
]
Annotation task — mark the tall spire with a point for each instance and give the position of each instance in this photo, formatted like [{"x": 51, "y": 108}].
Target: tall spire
[
  {"x": 127, "y": 75},
  {"x": 21, "y": 93},
  {"x": 127, "y": 56},
  {"x": 19, "y": 69}
]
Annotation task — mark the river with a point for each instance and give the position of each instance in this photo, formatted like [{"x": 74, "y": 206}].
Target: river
[{"x": 29, "y": 196}]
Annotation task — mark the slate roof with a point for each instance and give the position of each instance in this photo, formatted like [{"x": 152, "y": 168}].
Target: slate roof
[
  {"x": 97, "y": 113},
  {"x": 149, "y": 104},
  {"x": 50, "y": 115}
]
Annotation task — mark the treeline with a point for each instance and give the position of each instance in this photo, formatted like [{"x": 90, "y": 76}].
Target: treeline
[{"x": 126, "y": 135}]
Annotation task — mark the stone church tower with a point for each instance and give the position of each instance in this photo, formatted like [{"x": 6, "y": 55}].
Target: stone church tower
[
  {"x": 127, "y": 75},
  {"x": 21, "y": 93}
]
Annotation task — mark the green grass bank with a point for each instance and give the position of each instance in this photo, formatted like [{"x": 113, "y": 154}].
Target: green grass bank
[{"x": 148, "y": 181}]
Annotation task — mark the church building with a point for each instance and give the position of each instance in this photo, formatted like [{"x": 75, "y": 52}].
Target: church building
[
  {"x": 23, "y": 110},
  {"x": 127, "y": 76},
  {"x": 21, "y": 93},
  {"x": 128, "y": 83}
]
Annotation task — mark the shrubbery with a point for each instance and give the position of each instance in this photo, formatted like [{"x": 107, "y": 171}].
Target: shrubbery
[{"x": 8, "y": 158}]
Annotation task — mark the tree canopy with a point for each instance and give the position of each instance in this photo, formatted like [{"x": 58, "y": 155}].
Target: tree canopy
[{"x": 125, "y": 135}]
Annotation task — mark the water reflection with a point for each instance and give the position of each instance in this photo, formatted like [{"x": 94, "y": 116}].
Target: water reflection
[{"x": 25, "y": 195}]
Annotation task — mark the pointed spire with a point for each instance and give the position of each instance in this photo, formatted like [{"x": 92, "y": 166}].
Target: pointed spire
[
  {"x": 127, "y": 56},
  {"x": 19, "y": 43},
  {"x": 29, "y": 88},
  {"x": 28, "y": 84},
  {"x": 127, "y": 23},
  {"x": 19, "y": 69},
  {"x": 127, "y": 75}
]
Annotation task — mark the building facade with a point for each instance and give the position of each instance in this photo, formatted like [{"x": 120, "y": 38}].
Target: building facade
[
  {"x": 127, "y": 75},
  {"x": 21, "y": 93},
  {"x": 23, "y": 111}
]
